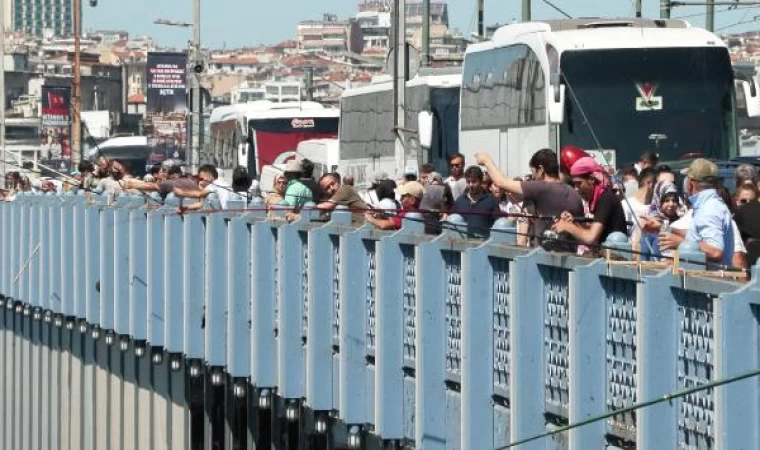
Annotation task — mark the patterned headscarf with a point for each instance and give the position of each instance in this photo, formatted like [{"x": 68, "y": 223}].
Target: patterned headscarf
[{"x": 661, "y": 189}]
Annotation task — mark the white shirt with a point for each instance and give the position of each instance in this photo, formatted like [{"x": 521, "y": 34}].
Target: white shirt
[
  {"x": 222, "y": 190},
  {"x": 457, "y": 186},
  {"x": 633, "y": 212}
]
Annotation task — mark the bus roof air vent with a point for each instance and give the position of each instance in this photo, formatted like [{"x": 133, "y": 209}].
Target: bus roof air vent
[{"x": 586, "y": 23}]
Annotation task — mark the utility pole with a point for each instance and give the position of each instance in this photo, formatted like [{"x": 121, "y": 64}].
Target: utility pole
[
  {"x": 710, "y": 16},
  {"x": 425, "y": 33},
  {"x": 526, "y": 13},
  {"x": 197, "y": 112},
  {"x": 481, "y": 26},
  {"x": 664, "y": 9},
  {"x": 399, "y": 83},
  {"x": 76, "y": 95}
]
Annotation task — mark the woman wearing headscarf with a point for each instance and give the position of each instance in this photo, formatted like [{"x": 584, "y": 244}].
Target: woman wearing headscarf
[
  {"x": 607, "y": 215},
  {"x": 665, "y": 208}
]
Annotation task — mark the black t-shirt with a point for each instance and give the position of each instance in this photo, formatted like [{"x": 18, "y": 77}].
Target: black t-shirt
[
  {"x": 318, "y": 195},
  {"x": 609, "y": 212}
]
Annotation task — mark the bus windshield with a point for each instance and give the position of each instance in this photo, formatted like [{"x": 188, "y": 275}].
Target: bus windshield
[{"x": 677, "y": 102}]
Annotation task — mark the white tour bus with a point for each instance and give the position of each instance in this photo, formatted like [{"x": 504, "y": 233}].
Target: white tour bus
[
  {"x": 260, "y": 133},
  {"x": 366, "y": 133},
  {"x": 620, "y": 87}
]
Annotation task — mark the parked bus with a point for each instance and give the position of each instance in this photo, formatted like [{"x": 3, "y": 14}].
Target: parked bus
[
  {"x": 367, "y": 139},
  {"x": 616, "y": 87},
  {"x": 259, "y": 133}
]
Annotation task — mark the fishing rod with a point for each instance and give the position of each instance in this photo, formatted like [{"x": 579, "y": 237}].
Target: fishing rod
[{"x": 635, "y": 407}]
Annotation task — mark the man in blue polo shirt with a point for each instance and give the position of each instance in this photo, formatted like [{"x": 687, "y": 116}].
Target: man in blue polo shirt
[
  {"x": 478, "y": 207},
  {"x": 711, "y": 226}
]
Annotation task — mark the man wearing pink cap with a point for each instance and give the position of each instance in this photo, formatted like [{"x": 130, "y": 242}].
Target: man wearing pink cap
[{"x": 592, "y": 184}]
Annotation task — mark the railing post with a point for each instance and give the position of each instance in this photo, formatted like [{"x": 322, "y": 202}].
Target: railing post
[
  {"x": 657, "y": 359},
  {"x": 528, "y": 366},
  {"x": 588, "y": 350},
  {"x": 215, "y": 301},
  {"x": 353, "y": 395},
  {"x": 264, "y": 344},
  {"x": 238, "y": 327},
  {"x": 477, "y": 353},
  {"x": 389, "y": 349},
  {"x": 737, "y": 337},
  {"x": 430, "y": 423}
]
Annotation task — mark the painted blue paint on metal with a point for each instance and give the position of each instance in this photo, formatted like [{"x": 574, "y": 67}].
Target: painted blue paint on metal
[
  {"x": 4, "y": 247},
  {"x": 238, "y": 298},
  {"x": 587, "y": 353},
  {"x": 657, "y": 350},
  {"x": 320, "y": 331},
  {"x": 695, "y": 367},
  {"x": 621, "y": 304},
  {"x": 194, "y": 264},
  {"x": 556, "y": 338},
  {"x": 68, "y": 254},
  {"x": 33, "y": 267},
  {"x": 353, "y": 328},
  {"x": 290, "y": 356},
  {"x": 22, "y": 275},
  {"x": 502, "y": 354},
  {"x": 452, "y": 272},
  {"x": 410, "y": 304},
  {"x": 15, "y": 219},
  {"x": 263, "y": 297},
  {"x": 107, "y": 243},
  {"x": 430, "y": 408},
  {"x": 527, "y": 382},
  {"x": 390, "y": 333},
  {"x": 120, "y": 250},
  {"x": 79, "y": 258},
  {"x": 215, "y": 294},
  {"x": 44, "y": 280},
  {"x": 54, "y": 256},
  {"x": 477, "y": 335},
  {"x": 156, "y": 316},
  {"x": 173, "y": 280},
  {"x": 92, "y": 260},
  {"x": 737, "y": 338},
  {"x": 138, "y": 274}
]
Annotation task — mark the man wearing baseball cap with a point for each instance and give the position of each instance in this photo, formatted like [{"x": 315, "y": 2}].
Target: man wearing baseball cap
[
  {"x": 711, "y": 224},
  {"x": 410, "y": 194}
]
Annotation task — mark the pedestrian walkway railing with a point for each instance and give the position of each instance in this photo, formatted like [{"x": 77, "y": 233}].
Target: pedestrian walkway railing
[{"x": 131, "y": 326}]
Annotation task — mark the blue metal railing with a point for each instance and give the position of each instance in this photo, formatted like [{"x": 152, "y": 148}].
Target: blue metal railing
[{"x": 127, "y": 325}]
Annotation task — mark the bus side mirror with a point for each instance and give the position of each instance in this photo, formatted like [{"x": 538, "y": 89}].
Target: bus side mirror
[
  {"x": 425, "y": 129},
  {"x": 557, "y": 104},
  {"x": 751, "y": 97}
]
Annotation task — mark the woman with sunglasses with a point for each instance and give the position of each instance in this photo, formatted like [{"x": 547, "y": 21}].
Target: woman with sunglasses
[{"x": 744, "y": 194}]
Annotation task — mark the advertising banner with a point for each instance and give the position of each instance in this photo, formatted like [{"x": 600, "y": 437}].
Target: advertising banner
[
  {"x": 55, "y": 132},
  {"x": 167, "y": 82},
  {"x": 167, "y": 105}
]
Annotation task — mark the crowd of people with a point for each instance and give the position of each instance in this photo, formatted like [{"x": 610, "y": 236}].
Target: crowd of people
[{"x": 568, "y": 202}]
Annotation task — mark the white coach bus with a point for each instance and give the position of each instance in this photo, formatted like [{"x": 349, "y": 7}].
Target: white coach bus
[{"x": 618, "y": 87}]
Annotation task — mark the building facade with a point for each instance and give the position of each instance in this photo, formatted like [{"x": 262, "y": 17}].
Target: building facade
[
  {"x": 41, "y": 18},
  {"x": 330, "y": 36}
]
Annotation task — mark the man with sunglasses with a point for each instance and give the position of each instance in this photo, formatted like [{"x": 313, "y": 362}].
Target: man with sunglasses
[{"x": 456, "y": 180}]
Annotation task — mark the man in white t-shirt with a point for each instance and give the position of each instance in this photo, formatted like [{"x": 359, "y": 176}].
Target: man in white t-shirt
[
  {"x": 638, "y": 205},
  {"x": 209, "y": 182},
  {"x": 456, "y": 180}
]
